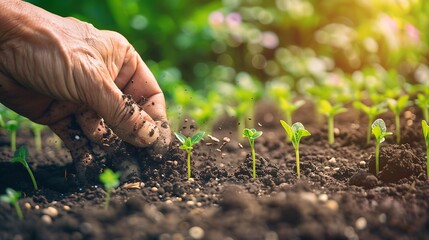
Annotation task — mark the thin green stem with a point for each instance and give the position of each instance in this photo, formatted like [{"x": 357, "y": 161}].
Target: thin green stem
[
  {"x": 38, "y": 140},
  {"x": 398, "y": 128},
  {"x": 427, "y": 160},
  {"x": 377, "y": 154},
  {"x": 189, "y": 163},
  {"x": 107, "y": 200},
  {"x": 13, "y": 140},
  {"x": 297, "y": 162},
  {"x": 252, "y": 146},
  {"x": 32, "y": 178},
  {"x": 288, "y": 116},
  {"x": 18, "y": 211},
  {"x": 331, "y": 129}
]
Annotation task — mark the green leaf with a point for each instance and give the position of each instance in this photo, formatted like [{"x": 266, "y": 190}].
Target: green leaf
[
  {"x": 425, "y": 128},
  {"x": 197, "y": 137},
  {"x": 325, "y": 107},
  {"x": 257, "y": 134},
  {"x": 180, "y": 136},
  {"x": 110, "y": 179},
  {"x": 379, "y": 130},
  {"x": 381, "y": 124},
  {"x": 20, "y": 156},
  {"x": 11, "y": 196},
  {"x": 11, "y": 125},
  {"x": 287, "y": 128}
]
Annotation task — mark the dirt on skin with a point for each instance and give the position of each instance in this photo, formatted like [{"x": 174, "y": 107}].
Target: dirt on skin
[{"x": 337, "y": 197}]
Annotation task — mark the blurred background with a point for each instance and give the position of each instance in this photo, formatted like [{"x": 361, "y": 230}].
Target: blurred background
[{"x": 197, "y": 46}]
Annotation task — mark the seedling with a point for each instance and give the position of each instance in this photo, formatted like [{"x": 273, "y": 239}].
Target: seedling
[
  {"x": 379, "y": 130},
  {"x": 12, "y": 197},
  {"x": 425, "y": 129},
  {"x": 295, "y": 133},
  {"x": 20, "y": 156},
  {"x": 397, "y": 106},
  {"x": 423, "y": 102},
  {"x": 327, "y": 109},
  {"x": 371, "y": 112},
  {"x": 187, "y": 143},
  {"x": 289, "y": 107},
  {"x": 110, "y": 180},
  {"x": 37, "y": 131},
  {"x": 251, "y": 135},
  {"x": 12, "y": 126}
]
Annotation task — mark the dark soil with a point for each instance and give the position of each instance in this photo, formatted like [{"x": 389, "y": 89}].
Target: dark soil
[{"x": 337, "y": 197}]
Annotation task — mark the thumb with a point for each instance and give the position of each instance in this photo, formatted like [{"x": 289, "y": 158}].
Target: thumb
[{"x": 124, "y": 116}]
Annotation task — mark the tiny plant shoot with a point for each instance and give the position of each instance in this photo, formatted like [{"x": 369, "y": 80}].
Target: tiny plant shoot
[
  {"x": 371, "y": 112},
  {"x": 12, "y": 126},
  {"x": 425, "y": 129},
  {"x": 20, "y": 156},
  {"x": 295, "y": 133},
  {"x": 37, "y": 131},
  {"x": 110, "y": 181},
  {"x": 12, "y": 198},
  {"x": 380, "y": 131},
  {"x": 251, "y": 135},
  {"x": 329, "y": 110},
  {"x": 423, "y": 102},
  {"x": 187, "y": 143},
  {"x": 397, "y": 106}
]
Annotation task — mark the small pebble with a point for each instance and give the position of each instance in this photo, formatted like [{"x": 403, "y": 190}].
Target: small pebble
[
  {"x": 154, "y": 189},
  {"x": 209, "y": 144},
  {"x": 27, "y": 205},
  {"x": 191, "y": 180},
  {"x": 213, "y": 138},
  {"x": 337, "y": 131},
  {"x": 240, "y": 145},
  {"x": 327, "y": 168},
  {"x": 309, "y": 197},
  {"x": 190, "y": 203},
  {"x": 175, "y": 163},
  {"x": 382, "y": 218},
  {"x": 332, "y": 160},
  {"x": 362, "y": 164},
  {"x": 37, "y": 207},
  {"x": 336, "y": 169},
  {"x": 177, "y": 236},
  {"x": 51, "y": 211},
  {"x": 169, "y": 201},
  {"x": 66, "y": 208},
  {"x": 197, "y": 190},
  {"x": 323, "y": 197},
  {"x": 360, "y": 223},
  {"x": 332, "y": 205},
  {"x": 226, "y": 139},
  {"x": 46, "y": 219},
  {"x": 196, "y": 232},
  {"x": 199, "y": 204},
  {"x": 221, "y": 165},
  {"x": 218, "y": 150}
]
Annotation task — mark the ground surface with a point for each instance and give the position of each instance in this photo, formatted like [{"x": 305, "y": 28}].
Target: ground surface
[{"x": 337, "y": 196}]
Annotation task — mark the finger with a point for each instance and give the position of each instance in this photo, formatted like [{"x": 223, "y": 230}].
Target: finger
[
  {"x": 136, "y": 79},
  {"x": 120, "y": 112},
  {"x": 88, "y": 160}
]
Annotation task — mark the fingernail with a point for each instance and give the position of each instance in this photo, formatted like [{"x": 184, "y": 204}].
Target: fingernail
[{"x": 148, "y": 133}]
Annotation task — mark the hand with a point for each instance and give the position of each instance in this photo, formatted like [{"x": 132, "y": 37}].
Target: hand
[{"x": 54, "y": 70}]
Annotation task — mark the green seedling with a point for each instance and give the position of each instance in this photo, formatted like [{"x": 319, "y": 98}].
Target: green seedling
[
  {"x": 37, "y": 131},
  {"x": 251, "y": 135},
  {"x": 110, "y": 181},
  {"x": 12, "y": 126},
  {"x": 380, "y": 131},
  {"x": 206, "y": 110},
  {"x": 329, "y": 110},
  {"x": 371, "y": 112},
  {"x": 20, "y": 156},
  {"x": 295, "y": 133},
  {"x": 12, "y": 197},
  {"x": 187, "y": 145},
  {"x": 289, "y": 107},
  {"x": 425, "y": 129},
  {"x": 423, "y": 102},
  {"x": 397, "y": 106}
]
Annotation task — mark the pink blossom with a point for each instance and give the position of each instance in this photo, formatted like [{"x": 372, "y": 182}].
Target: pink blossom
[
  {"x": 412, "y": 32},
  {"x": 216, "y": 18},
  {"x": 233, "y": 19}
]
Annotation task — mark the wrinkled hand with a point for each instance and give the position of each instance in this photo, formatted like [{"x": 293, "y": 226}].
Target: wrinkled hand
[{"x": 57, "y": 70}]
